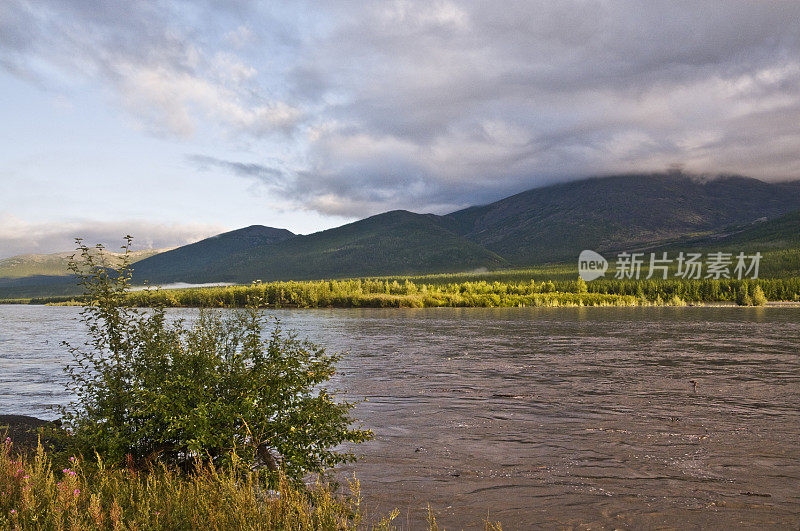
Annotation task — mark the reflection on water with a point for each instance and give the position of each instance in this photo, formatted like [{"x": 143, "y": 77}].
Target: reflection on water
[{"x": 542, "y": 417}]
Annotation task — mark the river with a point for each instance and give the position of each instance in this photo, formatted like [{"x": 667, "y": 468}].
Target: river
[{"x": 579, "y": 417}]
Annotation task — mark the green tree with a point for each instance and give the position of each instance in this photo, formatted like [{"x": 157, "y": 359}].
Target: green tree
[
  {"x": 743, "y": 295},
  {"x": 580, "y": 286},
  {"x": 149, "y": 388},
  {"x": 759, "y": 299}
]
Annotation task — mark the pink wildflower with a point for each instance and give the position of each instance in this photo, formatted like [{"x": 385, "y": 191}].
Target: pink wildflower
[{"x": 76, "y": 492}]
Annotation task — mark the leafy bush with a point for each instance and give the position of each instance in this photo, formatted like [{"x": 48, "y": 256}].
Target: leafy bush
[{"x": 148, "y": 389}]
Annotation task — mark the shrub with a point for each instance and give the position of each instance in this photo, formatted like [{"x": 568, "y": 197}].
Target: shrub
[
  {"x": 676, "y": 301},
  {"x": 743, "y": 296},
  {"x": 759, "y": 299},
  {"x": 580, "y": 286},
  {"x": 148, "y": 389}
]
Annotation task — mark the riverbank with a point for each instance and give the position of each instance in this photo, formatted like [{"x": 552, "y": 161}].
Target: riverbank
[
  {"x": 377, "y": 293},
  {"x": 40, "y": 493},
  {"x": 22, "y": 430}
]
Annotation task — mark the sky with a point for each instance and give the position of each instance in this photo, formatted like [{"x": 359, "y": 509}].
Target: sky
[{"x": 175, "y": 120}]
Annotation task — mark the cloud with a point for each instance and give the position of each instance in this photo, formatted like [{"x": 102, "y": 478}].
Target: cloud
[
  {"x": 18, "y": 236},
  {"x": 468, "y": 102},
  {"x": 265, "y": 174},
  {"x": 163, "y": 71},
  {"x": 435, "y": 104}
]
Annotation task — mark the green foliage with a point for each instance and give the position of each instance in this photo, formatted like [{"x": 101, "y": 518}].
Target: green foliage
[
  {"x": 149, "y": 389},
  {"x": 580, "y": 286},
  {"x": 385, "y": 293},
  {"x": 454, "y": 290},
  {"x": 676, "y": 301},
  {"x": 382, "y": 294},
  {"x": 759, "y": 299},
  {"x": 743, "y": 295}
]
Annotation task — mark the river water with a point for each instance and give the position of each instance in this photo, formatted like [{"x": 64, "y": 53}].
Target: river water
[{"x": 577, "y": 417}]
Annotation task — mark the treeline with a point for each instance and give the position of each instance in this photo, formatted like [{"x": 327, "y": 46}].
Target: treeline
[
  {"x": 376, "y": 293},
  {"x": 382, "y": 294},
  {"x": 692, "y": 291}
]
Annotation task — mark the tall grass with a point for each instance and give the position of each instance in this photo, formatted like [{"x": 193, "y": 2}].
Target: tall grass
[{"x": 36, "y": 495}]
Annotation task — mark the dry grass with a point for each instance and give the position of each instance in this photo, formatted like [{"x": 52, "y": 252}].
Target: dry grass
[{"x": 35, "y": 494}]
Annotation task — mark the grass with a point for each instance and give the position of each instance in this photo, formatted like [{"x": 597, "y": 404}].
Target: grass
[{"x": 36, "y": 494}]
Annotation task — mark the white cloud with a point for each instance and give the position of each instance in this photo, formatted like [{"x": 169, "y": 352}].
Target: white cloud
[
  {"x": 172, "y": 99},
  {"x": 435, "y": 104},
  {"x": 164, "y": 73},
  {"x": 19, "y": 236}
]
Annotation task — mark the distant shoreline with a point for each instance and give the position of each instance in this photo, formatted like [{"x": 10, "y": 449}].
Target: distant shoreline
[
  {"x": 769, "y": 304},
  {"x": 458, "y": 292}
]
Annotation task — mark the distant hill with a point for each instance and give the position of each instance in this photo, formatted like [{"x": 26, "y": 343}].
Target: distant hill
[
  {"x": 397, "y": 242},
  {"x": 56, "y": 264},
  {"x": 540, "y": 226},
  {"x": 192, "y": 261},
  {"x": 605, "y": 214},
  {"x": 543, "y": 225},
  {"x": 38, "y": 286}
]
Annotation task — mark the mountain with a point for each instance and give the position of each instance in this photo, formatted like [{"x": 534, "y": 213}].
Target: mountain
[
  {"x": 761, "y": 235},
  {"x": 192, "y": 261},
  {"x": 56, "y": 264},
  {"x": 616, "y": 213},
  {"x": 550, "y": 224},
  {"x": 778, "y": 241},
  {"x": 543, "y": 225},
  {"x": 397, "y": 242}
]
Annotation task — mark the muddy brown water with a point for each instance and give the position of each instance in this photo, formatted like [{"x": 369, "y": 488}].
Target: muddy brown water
[{"x": 537, "y": 417}]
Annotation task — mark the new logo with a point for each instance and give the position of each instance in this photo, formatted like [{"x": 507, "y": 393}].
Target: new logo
[{"x": 591, "y": 265}]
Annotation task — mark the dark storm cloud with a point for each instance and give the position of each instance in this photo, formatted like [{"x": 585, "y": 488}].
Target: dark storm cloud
[
  {"x": 435, "y": 104},
  {"x": 473, "y": 100}
]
